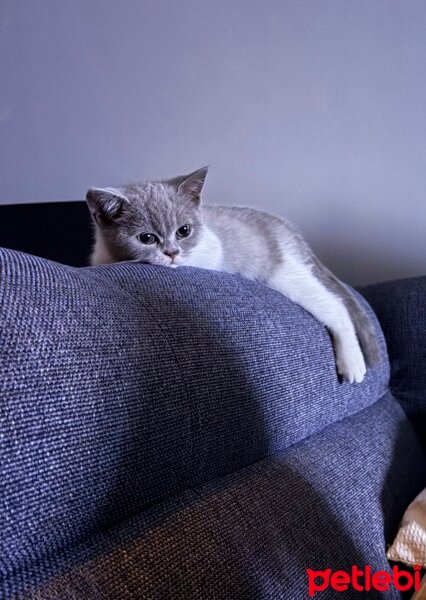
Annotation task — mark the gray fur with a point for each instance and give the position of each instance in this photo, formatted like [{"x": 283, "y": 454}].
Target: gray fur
[
  {"x": 153, "y": 207},
  {"x": 363, "y": 327},
  {"x": 254, "y": 243}
]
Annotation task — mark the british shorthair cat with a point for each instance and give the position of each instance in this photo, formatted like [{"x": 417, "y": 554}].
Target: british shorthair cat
[{"x": 165, "y": 223}]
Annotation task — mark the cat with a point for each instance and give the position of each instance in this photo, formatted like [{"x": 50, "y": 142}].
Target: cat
[{"x": 164, "y": 223}]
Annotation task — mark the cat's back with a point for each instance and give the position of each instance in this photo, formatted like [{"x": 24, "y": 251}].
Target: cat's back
[
  {"x": 252, "y": 240},
  {"x": 247, "y": 220}
]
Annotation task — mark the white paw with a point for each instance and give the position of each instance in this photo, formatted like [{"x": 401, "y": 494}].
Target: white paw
[{"x": 350, "y": 364}]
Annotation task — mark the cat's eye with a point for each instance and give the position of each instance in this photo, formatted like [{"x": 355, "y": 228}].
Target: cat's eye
[
  {"x": 184, "y": 231},
  {"x": 147, "y": 238}
]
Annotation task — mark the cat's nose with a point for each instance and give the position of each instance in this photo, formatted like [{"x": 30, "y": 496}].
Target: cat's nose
[{"x": 171, "y": 253}]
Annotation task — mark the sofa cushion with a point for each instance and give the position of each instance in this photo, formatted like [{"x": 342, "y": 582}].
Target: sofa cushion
[
  {"x": 125, "y": 384},
  {"x": 400, "y": 306},
  {"x": 332, "y": 501}
]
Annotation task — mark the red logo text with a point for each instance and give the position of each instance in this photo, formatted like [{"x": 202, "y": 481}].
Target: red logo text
[{"x": 362, "y": 580}]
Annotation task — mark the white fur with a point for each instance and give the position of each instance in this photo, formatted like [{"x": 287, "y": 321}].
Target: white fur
[
  {"x": 257, "y": 246},
  {"x": 208, "y": 253},
  {"x": 295, "y": 280}
]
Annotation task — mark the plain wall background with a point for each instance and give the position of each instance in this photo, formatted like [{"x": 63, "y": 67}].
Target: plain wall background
[{"x": 313, "y": 109}]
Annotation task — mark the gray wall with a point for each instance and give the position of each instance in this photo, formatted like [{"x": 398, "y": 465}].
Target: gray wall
[{"x": 314, "y": 109}]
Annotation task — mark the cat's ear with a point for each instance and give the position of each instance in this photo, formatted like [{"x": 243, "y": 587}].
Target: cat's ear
[
  {"x": 191, "y": 185},
  {"x": 105, "y": 203}
]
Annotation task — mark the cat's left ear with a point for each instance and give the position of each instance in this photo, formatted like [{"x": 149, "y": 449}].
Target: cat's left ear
[{"x": 191, "y": 185}]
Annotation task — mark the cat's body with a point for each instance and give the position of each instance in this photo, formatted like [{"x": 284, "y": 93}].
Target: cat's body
[{"x": 240, "y": 240}]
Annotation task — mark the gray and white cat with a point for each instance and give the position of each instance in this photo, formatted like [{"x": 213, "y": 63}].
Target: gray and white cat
[{"x": 164, "y": 223}]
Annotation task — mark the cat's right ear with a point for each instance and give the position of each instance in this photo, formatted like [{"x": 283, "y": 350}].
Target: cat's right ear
[
  {"x": 105, "y": 204},
  {"x": 191, "y": 185}
]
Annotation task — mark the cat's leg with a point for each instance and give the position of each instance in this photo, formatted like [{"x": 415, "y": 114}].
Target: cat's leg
[
  {"x": 295, "y": 280},
  {"x": 364, "y": 327}
]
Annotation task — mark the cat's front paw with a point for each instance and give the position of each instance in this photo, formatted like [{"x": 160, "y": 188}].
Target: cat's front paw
[{"x": 351, "y": 365}]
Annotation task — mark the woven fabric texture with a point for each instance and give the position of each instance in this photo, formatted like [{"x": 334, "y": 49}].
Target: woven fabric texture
[
  {"x": 401, "y": 309},
  {"x": 332, "y": 501},
  {"x": 126, "y": 384}
]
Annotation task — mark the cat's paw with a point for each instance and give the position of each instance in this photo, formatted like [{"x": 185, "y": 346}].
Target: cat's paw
[{"x": 351, "y": 365}]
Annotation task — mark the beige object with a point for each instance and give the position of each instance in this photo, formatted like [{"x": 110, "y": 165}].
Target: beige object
[{"x": 409, "y": 546}]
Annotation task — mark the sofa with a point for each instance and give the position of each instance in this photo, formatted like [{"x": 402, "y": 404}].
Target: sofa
[{"x": 182, "y": 433}]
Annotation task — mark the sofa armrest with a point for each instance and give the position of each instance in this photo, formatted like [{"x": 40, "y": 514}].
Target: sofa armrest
[{"x": 401, "y": 309}]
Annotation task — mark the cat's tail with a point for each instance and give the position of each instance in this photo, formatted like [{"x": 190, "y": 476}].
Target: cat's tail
[{"x": 364, "y": 327}]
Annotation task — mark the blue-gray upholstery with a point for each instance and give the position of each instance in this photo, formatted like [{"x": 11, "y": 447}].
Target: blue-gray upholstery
[
  {"x": 183, "y": 434},
  {"x": 401, "y": 309}
]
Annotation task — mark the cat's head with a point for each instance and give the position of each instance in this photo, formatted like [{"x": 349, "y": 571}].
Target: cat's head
[{"x": 157, "y": 222}]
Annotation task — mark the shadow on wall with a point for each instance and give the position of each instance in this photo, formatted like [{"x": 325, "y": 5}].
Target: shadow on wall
[{"x": 358, "y": 265}]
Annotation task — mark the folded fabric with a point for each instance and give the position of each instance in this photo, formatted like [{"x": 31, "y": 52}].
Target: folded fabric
[{"x": 409, "y": 546}]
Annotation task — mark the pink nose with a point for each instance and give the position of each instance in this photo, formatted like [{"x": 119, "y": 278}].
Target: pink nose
[{"x": 170, "y": 253}]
